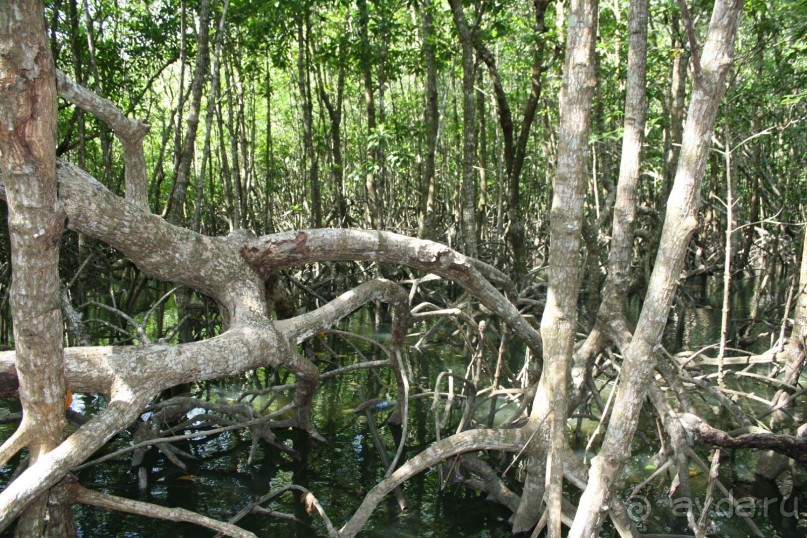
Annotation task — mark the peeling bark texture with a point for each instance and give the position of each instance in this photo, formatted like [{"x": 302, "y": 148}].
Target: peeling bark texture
[
  {"x": 559, "y": 321},
  {"x": 28, "y": 128},
  {"x": 681, "y": 219}
]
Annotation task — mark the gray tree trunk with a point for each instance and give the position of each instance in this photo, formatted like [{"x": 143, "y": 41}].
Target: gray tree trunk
[
  {"x": 681, "y": 220},
  {"x": 28, "y": 129},
  {"x": 431, "y": 119},
  {"x": 559, "y": 321}
]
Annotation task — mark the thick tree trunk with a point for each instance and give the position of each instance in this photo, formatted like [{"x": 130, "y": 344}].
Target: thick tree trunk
[
  {"x": 680, "y": 223},
  {"x": 28, "y": 128}
]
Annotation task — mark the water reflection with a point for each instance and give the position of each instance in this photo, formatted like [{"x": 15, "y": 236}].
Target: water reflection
[{"x": 220, "y": 481}]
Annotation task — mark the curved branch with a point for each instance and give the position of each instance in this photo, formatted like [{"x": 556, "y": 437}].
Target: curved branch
[
  {"x": 272, "y": 253},
  {"x": 467, "y": 441},
  {"x": 304, "y": 326},
  {"x": 53, "y": 466},
  {"x": 210, "y": 265},
  {"x": 18, "y": 440},
  {"x": 129, "y": 132}
]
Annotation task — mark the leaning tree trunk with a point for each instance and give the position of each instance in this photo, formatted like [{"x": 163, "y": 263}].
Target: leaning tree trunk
[
  {"x": 681, "y": 220},
  {"x": 560, "y": 316},
  {"x": 28, "y": 128}
]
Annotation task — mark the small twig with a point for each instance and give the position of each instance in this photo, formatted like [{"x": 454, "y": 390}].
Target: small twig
[{"x": 707, "y": 504}]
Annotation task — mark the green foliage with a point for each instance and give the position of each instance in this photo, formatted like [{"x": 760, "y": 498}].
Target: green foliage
[{"x": 256, "y": 136}]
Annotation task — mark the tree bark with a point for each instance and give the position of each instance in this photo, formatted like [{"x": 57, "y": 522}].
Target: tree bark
[
  {"x": 338, "y": 166},
  {"x": 129, "y": 132},
  {"x": 307, "y": 104},
  {"x": 515, "y": 149},
  {"x": 467, "y": 185},
  {"x": 175, "y": 211},
  {"x": 370, "y": 180},
  {"x": 28, "y": 129},
  {"x": 611, "y": 323},
  {"x": 680, "y": 223},
  {"x": 675, "y": 106},
  {"x": 431, "y": 120},
  {"x": 231, "y": 270},
  {"x": 559, "y": 320}
]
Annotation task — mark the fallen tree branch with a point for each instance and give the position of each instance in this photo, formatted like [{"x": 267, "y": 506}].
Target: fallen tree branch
[{"x": 701, "y": 432}]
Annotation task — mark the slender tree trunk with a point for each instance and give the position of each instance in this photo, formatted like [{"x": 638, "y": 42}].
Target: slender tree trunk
[
  {"x": 270, "y": 154},
  {"x": 482, "y": 159},
  {"x": 28, "y": 129},
  {"x": 756, "y": 152},
  {"x": 611, "y": 322},
  {"x": 515, "y": 149},
  {"x": 559, "y": 322},
  {"x": 307, "y": 105},
  {"x": 215, "y": 85},
  {"x": 232, "y": 132},
  {"x": 335, "y": 117},
  {"x": 681, "y": 220},
  {"x": 370, "y": 180},
  {"x": 467, "y": 185},
  {"x": 104, "y": 135},
  {"x": 431, "y": 120},
  {"x": 675, "y": 105},
  {"x": 175, "y": 212}
]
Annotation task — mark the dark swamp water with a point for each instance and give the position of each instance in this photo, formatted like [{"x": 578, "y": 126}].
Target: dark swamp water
[{"x": 220, "y": 481}]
